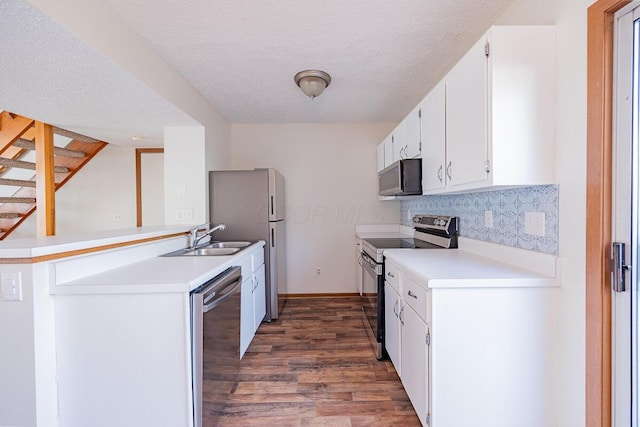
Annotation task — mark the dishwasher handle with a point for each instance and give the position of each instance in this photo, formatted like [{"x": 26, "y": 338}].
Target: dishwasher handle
[{"x": 220, "y": 288}]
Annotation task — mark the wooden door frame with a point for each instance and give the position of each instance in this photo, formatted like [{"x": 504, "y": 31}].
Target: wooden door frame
[
  {"x": 600, "y": 28},
  {"x": 139, "y": 153}
]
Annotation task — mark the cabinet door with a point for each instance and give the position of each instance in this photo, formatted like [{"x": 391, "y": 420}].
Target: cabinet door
[
  {"x": 466, "y": 109},
  {"x": 399, "y": 141},
  {"x": 246, "y": 314},
  {"x": 388, "y": 150},
  {"x": 414, "y": 360},
  {"x": 359, "y": 266},
  {"x": 392, "y": 308},
  {"x": 433, "y": 138},
  {"x": 259, "y": 298},
  {"x": 380, "y": 156},
  {"x": 413, "y": 134}
]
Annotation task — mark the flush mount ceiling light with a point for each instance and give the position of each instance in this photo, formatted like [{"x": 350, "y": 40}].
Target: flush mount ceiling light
[{"x": 312, "y": 82}]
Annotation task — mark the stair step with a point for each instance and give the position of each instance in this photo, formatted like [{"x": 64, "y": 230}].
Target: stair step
[
  {"x": 10, "y": 215},
  {"x": 17, "y": 199},
  {"x": 17, "y": 182},
  {"x": 58, "y": 151},
  {"x": 28, "y": 165},
  {"x": 73, "y": 135}
]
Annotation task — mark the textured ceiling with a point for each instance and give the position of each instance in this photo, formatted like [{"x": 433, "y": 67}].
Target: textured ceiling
[{"x": 241, "y": 55}]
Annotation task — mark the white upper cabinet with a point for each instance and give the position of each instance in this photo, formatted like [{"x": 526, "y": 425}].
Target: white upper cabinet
[
  {"x": 500, "y": 99},
  {"x": 466, "y": 118},
  {"x": 381, "y": 156},
  {"x": 491, "y": 121},
  {"x": 413, "y": 134},
  {"x": 433, "y": 138},
  {"x": 398, "y": 139},
  {"x": 388, "y": 150}
]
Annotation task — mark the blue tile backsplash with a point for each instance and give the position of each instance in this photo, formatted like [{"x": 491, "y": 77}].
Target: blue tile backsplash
[{"x": 508, "y": 207}]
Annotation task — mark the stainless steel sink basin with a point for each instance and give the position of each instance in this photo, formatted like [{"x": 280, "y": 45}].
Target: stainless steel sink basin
[
  {"x": 212, "y": 249},
  {"x": 239, "y": 244},
  {"x": 208, "y": 251}
]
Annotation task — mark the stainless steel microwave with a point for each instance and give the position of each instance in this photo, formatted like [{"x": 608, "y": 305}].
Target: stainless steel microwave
[{"x": 402, "y": 178}]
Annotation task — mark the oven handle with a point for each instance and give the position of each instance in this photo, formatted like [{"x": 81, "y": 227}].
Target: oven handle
[
  {"x": 367, "y": 259},
  {"x": 370, "y": 265}
]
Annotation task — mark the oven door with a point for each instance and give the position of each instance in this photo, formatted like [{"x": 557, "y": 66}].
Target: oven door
[{"x": 373, "y": 302}]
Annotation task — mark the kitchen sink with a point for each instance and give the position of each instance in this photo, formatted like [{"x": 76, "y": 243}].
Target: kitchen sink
[
  {"x": 212, "y": 249},
  {"x": 228, "y": 245}
]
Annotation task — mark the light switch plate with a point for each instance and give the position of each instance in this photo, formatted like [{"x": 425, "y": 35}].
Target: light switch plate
[
  {"x": 488, "y": 219},
  {"x": 534, "y": 223}
]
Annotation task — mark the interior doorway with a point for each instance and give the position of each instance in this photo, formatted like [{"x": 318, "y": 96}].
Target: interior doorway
[{"x": 149, "y": 186}]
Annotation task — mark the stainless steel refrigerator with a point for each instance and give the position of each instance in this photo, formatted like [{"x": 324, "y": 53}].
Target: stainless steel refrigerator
[{"x": 251, "y": 204}]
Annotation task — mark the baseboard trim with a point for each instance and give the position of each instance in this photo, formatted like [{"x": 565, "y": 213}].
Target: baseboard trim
[{"x": 330, "y": 295}]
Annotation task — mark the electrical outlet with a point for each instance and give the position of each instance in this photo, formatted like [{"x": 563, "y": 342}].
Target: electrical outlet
[
  {"x": 184, "y": 214},
  {"x": 117, "y": 216},
  {"x": 488, "y": 219},
  {"x": 11, "y": 286},
  {"x": 318, "y": 271},
  {"x": 534, "y": 223}
]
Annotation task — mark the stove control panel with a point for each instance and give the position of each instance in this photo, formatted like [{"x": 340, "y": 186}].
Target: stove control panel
[{"x": 445, "y": 224}]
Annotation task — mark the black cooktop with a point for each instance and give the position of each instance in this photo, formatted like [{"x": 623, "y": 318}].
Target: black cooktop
[{"x": 400, "y": 243}]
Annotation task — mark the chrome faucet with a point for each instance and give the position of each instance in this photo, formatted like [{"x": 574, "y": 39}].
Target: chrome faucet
[{"x": 195, "y": 238}]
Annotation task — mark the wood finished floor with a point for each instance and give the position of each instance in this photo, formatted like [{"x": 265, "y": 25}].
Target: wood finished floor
[{"x": 314, "y": 366}]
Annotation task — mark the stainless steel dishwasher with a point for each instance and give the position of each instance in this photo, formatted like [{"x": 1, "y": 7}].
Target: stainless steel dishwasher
[{"x": 215, "y": 328}]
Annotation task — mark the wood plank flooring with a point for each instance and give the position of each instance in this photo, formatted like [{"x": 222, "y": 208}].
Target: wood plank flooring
[{"x": 314, "y": 366}]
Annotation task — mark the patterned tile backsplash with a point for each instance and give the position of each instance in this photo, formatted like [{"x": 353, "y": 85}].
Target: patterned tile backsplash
[{"x": 508, "y": 208}]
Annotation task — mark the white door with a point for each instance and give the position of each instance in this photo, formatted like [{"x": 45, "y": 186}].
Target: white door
[{"x": 625, "y": 219}]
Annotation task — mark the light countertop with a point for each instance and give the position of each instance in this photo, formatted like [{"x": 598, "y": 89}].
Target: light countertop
[
  {"x": 42, "y": 246},
  {"x": 456, "y": 268},
  {"x": 156, "y": 274}
]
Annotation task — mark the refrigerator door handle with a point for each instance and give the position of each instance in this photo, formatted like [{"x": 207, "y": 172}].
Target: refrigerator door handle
[
  {"x": 272, "y": 205},
  {"x": 273, "y": 237}
]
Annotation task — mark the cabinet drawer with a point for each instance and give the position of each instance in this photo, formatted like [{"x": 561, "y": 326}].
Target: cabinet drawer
[
  {"x": 416, "y": 296},
  {"x": 392, "y": 275},
  {"x": 246, "y": 264}
]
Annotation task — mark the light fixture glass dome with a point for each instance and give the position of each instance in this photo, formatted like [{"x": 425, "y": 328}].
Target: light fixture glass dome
[{"x": 312, "y": 82}]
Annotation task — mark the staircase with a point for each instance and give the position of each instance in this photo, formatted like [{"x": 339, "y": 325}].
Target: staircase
[{"x": 19, "y": 170}]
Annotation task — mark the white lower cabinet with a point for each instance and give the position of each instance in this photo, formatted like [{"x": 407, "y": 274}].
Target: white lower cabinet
[
  {"x": 253, "y": 306},
  {"x": 392, "y": 331},
  {"x": 415, "y": 360},
  {"x": 259, "y": 298},
  {"x": 407, "y": 337},
  {"x": 473, "y": 354}
]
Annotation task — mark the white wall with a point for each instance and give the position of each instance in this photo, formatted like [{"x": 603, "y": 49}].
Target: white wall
[
  {"x": 330, "y": 184},
  {"x": 570, "y": 19},
  {"x": 88, "y": 202},
  {"x": 185, "y": 177}
]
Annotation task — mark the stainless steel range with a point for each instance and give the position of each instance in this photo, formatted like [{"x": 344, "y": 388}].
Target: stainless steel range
[{"x": 430, "y": 232}]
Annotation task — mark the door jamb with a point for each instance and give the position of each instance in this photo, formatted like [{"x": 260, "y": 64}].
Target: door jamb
[{"x": 600, "y": 26}]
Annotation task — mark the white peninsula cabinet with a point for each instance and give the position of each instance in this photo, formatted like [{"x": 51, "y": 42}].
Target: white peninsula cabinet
[
  {"x": 500, "y": 109},
  {"x": 471, "y": 338},
  {"x": 253, "y": 305}
]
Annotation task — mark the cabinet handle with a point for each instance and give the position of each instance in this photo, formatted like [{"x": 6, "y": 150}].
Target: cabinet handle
[
  {"x": 449, "y": 171},
  {"x": 395, "y": 308},
  {"x": 440, "y": 173},
  {"x": 390, "y": 275},
  {"x": 411, "y": 294},
  {"x": 406, "y": 147},
  {"x": 400, "y": 316}
]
